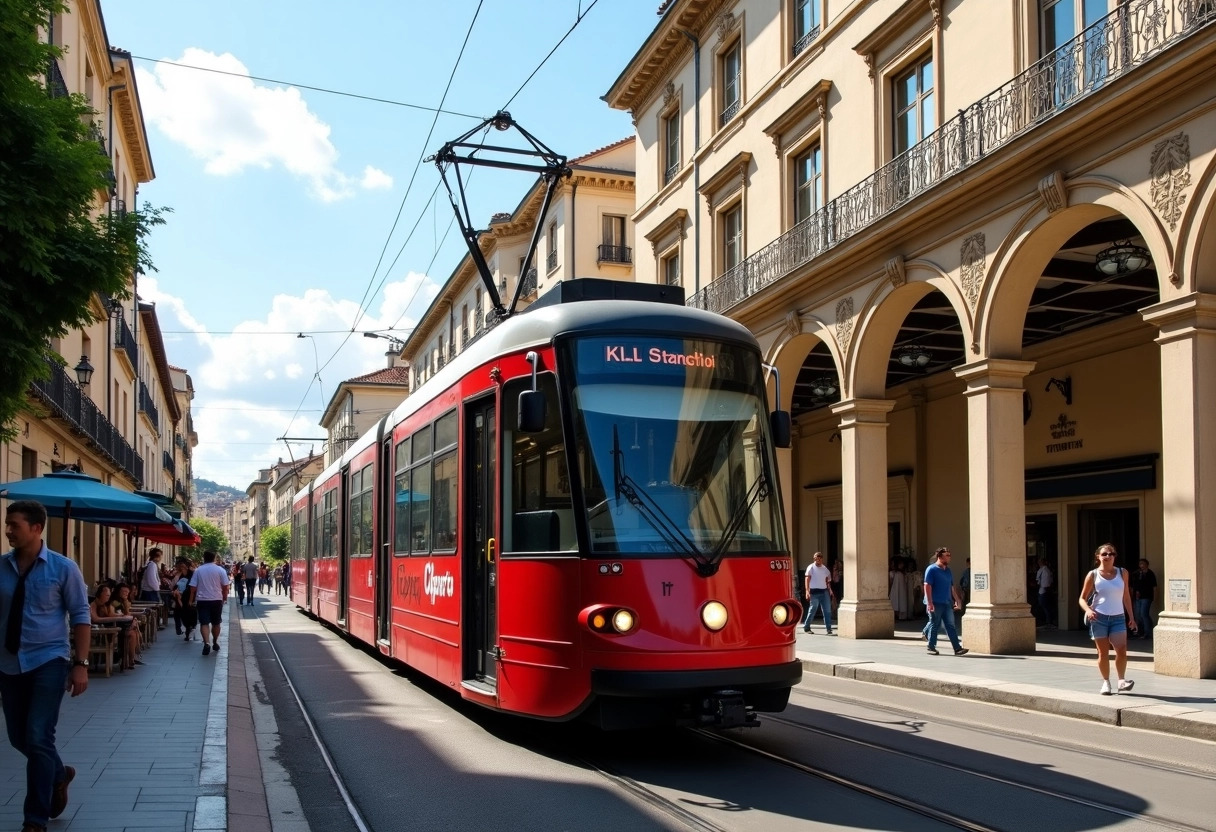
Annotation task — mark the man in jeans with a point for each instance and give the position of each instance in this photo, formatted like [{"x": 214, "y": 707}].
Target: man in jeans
[
  {"x": 250, "y": 572},
  {"x": 943, "y": 599},
  {"x": 40, "y": 592},
  {"x": 149, "y": 584},
  {"x": 819, "y": 591},
  {"x": 1144, "y": 588}
]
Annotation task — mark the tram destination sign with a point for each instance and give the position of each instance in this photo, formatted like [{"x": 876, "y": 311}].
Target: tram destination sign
[{"x": 626, "y": 356}]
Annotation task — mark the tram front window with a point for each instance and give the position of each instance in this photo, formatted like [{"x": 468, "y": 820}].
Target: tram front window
[{"x": 672, "y": 439}]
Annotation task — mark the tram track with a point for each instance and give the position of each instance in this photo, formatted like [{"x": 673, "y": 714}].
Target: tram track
[
  {"x": 1021, "y": 736},
  {"x": 951, "y": 819}
]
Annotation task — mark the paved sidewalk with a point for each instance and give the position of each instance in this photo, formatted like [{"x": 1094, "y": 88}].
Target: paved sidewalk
[
  {"x": 137, "y": 742},
  {"x": 1060, "y": 678}
]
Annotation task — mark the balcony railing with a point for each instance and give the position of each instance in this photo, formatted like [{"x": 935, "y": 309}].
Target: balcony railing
[
  {"x": 529, "y": 284},
  {"x": 614, "y": 254},
  {"x": 729, "y": 112},
  {"x": 669, "y": 173},
  {"x": 1112, "y": 47},
  {"x": 805, "y": 41},
  {"x": 167, "y": 463},
  {"x": 179, "y": 490},
  {"x": 147, "y": 406},
  {"x": 56, "y": 87},
  {"x": 66, "y": 401},
  {"x": 124, "y": 339},
  {"x": 551, "y": 260}
]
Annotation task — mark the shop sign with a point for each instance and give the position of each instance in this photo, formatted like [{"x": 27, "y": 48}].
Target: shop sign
[{"x": 1063, "y": 432}]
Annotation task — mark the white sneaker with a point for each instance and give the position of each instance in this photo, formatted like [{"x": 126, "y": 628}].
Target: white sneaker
[
  {"x": 1105, "y": 691},
  {"x": 1125, "y": 685}
]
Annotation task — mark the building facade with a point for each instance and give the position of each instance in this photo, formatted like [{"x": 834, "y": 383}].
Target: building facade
[
  {"x": 359, "y": 403},
  {"x": 107, "y": 407},
  {"x": 976, "y": 239}
]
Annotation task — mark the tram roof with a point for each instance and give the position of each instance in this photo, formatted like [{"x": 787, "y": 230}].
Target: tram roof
[{"x": 584, "y": 306}]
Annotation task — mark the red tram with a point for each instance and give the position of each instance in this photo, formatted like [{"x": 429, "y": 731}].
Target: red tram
[{"x": 577, "y": 516}]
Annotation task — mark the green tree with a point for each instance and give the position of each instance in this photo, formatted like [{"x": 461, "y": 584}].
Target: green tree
[
  {"x": 275, "y": 544},
  {"x": 54, "y": 172},
  {"x": 213, "y": 540}
]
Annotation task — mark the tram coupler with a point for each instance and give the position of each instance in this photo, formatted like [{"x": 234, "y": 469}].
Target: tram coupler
[{"x": 727, "y": 709}]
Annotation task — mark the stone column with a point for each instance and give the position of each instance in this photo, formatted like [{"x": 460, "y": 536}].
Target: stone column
[
  {"x": 1184, "y": 640},
  {"x": 865, "y": 611},
  {"x": 998, "y": 619}
]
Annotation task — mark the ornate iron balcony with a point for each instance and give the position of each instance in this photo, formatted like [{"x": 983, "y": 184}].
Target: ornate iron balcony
[
  {"x": 614, "y": 254},
  {"x": 65, "y": 400},
  {"x": 148, "y": 407},
  {"x": 671, "y": 171},
  {"x": 167, "y": 463},
  {"x": 730, "y": 112},
  {"x": 805, "y": 40},
  {"x": 529, "y": 282},
  {"x": 551, "y": 260},
  {"x": 124, "y": 339},
  {"x": 1114, "y": 46}
]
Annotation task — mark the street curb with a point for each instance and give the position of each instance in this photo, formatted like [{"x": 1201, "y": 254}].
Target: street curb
[{"x": 1127, "y": 711}]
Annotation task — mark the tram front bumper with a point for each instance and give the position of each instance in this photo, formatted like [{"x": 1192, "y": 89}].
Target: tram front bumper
[{"x": 676, "y": 683}]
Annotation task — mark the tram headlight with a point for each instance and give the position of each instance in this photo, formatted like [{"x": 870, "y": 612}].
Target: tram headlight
[
  {"x": 713, "y": 615},
  {"x": 781, "y": 614},
  {"x": 623, "y": 621},
  {"x": 610, "y": 620}
]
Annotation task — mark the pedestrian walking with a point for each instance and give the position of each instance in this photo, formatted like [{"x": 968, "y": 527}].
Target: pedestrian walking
[
  {"x": 238, "y": 578},
  {"x": 897, "y": 589},
  {"x": 149, "y": 582},
  {"x": 964, "y": 585},
  {"x": 819, "y": 591},
  {"x": 208, "y": 592},
  {"x": 1045, "y": 579},
  {"x": 250, "y": 572},
  {"x": 36, "y": 665},
  {"x": 287, "y": 577},
  {"x": 942, "y": 599},
  {"x": 1107, "y": 601},
  {"x": 1144, "y": 589}
]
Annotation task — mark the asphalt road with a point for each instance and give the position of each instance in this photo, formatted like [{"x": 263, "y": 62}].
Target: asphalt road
[{"x": 844, "y": 755}]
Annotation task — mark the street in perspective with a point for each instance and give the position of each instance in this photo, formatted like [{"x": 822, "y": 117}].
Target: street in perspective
[{"x": 715, "y": 415}]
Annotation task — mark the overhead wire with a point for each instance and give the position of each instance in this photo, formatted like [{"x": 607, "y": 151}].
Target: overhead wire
[{"x": 326, "y": 90}]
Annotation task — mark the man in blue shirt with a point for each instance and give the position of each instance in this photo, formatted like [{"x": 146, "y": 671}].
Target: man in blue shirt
[
  {"x": 40, "y": 591},
  {"x": 943, "y": 599}
]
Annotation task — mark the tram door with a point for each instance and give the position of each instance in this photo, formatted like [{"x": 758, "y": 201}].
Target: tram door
[
  {"x": 481, "y": 555},
  {"x": 384, "y": 542},
  {"x": 341, "y": 544}
]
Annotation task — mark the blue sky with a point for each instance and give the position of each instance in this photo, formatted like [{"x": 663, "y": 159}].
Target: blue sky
[{"x": 283, "y": 198}]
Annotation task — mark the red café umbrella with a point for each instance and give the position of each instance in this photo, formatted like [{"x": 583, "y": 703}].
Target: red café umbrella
[{"x": 178, "y": 533}]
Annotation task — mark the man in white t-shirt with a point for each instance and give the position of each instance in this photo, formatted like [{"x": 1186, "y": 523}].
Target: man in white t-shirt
[
  {"x": 818, "y": 593},
  {"x": 149, "y": 583},
  {"x": 209, "y": 591}
]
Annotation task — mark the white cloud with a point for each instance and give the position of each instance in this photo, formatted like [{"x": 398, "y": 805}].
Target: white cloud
[
  {"x": 249, "y": 384},
  {"x": 375, "y": 179},
  {"x": 234, "y": 123}
]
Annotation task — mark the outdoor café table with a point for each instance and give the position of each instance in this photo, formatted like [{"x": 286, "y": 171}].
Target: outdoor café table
[{"x": 103, "y": 644}]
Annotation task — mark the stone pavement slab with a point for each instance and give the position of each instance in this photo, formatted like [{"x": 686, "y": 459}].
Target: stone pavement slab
[{"x": 1060, "y": 678}]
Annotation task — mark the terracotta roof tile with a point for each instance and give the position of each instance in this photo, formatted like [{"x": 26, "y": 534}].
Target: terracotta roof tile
[
  {"x": 388, "y": 375},
  {"x": 598, "y": 151}
]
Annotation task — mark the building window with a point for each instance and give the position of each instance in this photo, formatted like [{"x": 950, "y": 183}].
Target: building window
[
  {"x": 551, "y": 259},
  {"x": 671, "y": 268},
  {"x": 732, "y": 237},
  {"x": 808, "y": 183},
  {"x": 731, "y": 65},
  {"x": 671, "y": 146},
  {"x": 1074, "y": 70},
  {"x": 612, "y": 248},
  {"x": 915, "y": 116},
  {"x": 806, "y": 23}
]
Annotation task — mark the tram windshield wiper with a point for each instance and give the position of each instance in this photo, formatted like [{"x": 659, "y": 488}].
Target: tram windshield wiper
[
  {"x": 756, "y": 493},
  {"x": 670, "y": 531}
]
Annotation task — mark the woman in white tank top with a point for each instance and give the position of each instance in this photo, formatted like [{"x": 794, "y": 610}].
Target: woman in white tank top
[{"x": 1107, "y": 603}]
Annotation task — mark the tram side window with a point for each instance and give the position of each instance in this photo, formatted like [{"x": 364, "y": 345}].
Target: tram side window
[
  {"x": 444, "y": 486},
  {"x": 360, "y": 491},
  {"x": 401, "y": 500},
  {"x": 420, "y": 508},
  {"x": 329, "y": 524},
  {"x": 541, "y": 516}
]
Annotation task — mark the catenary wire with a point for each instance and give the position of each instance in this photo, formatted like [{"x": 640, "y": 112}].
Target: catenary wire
[{"x": 326, "y": 90}]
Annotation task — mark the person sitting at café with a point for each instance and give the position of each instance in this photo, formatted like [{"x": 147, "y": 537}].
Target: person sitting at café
[
  {"x": 121, "y": 602},
  {"x": 102, "y": 611}
]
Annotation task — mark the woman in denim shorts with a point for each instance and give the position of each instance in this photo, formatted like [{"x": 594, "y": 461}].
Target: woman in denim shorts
[{"x": 1107, "y": 602}]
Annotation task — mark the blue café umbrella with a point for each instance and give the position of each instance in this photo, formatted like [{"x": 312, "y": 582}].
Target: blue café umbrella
[{"x": 75, "y": 496}]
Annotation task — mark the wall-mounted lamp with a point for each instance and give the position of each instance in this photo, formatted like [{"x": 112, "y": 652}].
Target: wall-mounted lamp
[
  {"x": 824, "y": 387},
  {"x": 84, "y": 371},
  {"x": 1122, "y": 258},
  {"x": 1064, "y": 385},
  {"x": 915, "y": 356}
]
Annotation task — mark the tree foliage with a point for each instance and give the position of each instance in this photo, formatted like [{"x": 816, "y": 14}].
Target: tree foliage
[
  {"x": 56, "y": 248},
  {"x": 275, "y": 546},
  {"x": 213, "y": 540}
]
